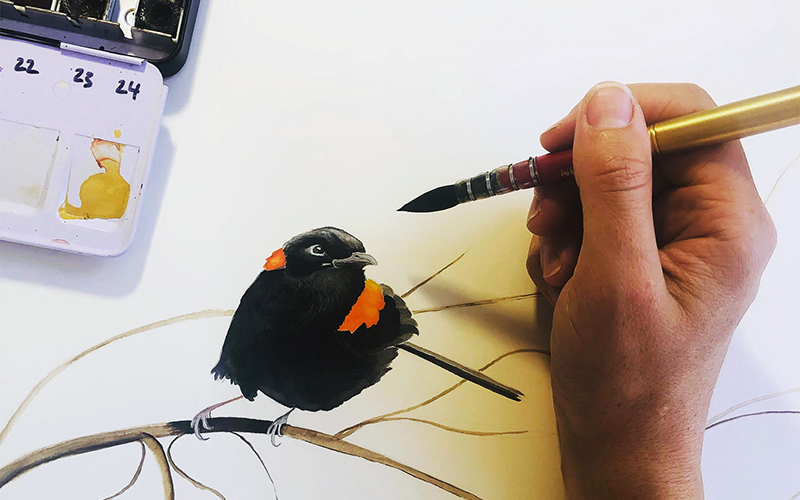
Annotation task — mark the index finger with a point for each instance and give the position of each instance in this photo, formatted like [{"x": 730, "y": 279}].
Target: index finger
[{"x": 659, "y": 101}]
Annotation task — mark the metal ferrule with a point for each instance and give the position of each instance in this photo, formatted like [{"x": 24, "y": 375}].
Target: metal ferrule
[
  {"x": 533, "y": 167},
  {"x": 464, "y": 191},
  {"x": 488, "y": 179},
  {"x": 511, "y": 178}
]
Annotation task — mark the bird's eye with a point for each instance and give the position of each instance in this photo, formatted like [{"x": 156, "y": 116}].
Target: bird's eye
[{"x": 317, "y": 250}]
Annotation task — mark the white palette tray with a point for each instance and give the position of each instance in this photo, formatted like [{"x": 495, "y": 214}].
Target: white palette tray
[{"x": 77, "y": 133}]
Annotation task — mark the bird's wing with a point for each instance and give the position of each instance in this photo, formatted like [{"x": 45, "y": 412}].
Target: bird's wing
[{"x": 244, "y": 342}]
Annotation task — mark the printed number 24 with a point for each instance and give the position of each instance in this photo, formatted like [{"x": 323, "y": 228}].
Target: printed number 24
[{"x": 133, "y": 90}]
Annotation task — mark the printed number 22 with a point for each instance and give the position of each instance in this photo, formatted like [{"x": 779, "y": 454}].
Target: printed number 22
[
  {"x": 29, "y": 69},
  {"x": 86, "y": 80},
  {"x": 133, "y": 90}
]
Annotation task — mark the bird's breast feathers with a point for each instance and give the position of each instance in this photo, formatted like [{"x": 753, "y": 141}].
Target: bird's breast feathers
[{"x": 367, "y": 309}]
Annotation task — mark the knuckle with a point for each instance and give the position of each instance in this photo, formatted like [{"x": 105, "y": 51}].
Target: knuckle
[
  {"x": 698, "y": 96},
  {"x": 770, "y": 234},
  {"x": 747, "y": 256},
  {"x": 756, "y": 240},
  {"x": 622, "y": 173}
]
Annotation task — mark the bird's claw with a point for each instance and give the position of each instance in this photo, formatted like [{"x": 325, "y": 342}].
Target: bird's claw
[
  {"x": 200, "y": 423},
  {"x": 275, "y": 428}
]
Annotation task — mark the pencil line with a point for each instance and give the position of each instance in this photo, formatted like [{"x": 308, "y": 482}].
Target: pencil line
[
  {"x": 478, "y": 303},
  {"x": 733, "y": 408},
  {"x": 778, "y": 180},
  {"x": 426, "y": 280},
  {"x": 768, "y": 412},
  {"x": 454, "y": 429}
]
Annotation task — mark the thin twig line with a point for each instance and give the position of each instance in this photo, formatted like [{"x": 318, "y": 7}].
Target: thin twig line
[
  {"x": 135, "y": 475},
  {"x": 258, "y": 456},
  {"x": 194, "y": 482}
]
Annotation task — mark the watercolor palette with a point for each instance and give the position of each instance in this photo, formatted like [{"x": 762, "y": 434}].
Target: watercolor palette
[{"x": 79, "y": 123}]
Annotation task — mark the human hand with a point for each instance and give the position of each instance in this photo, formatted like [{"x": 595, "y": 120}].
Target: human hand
[{"x": 650, "y": 270}]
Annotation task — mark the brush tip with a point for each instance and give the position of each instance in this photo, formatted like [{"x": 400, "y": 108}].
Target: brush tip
[{"x": 441, "y": 198}]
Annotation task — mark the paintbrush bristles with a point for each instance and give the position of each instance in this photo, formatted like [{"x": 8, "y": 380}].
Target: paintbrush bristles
[{"x": 441, "y": 198}]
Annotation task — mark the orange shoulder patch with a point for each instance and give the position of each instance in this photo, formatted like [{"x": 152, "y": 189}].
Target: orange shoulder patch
[
  {"x": 367, "y": 309},
  {"x": 275, "y": 261}
]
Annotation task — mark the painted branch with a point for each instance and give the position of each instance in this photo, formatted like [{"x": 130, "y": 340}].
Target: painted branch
[
  {"x": 110, "y": 439},
  {"x": 163, "y": 465},
  {"x": 207, "y": 313}
]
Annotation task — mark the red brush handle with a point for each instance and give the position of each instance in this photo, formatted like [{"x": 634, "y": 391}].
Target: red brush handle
[{"x": 543, "y": 170}]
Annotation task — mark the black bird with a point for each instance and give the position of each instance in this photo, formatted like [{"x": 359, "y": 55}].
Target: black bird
[{"x": 311, "y": 332}]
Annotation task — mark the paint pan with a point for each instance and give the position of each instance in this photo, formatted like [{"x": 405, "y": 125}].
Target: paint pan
[
  {"x": 76, "y": 9},
  {"x": 42, "y": 4},
  {"x": 162, "y": 16},
  {"x": 158, "y": 31},
  {"x": 34, "y": 147},
  {"x": 79, "y": 123}
]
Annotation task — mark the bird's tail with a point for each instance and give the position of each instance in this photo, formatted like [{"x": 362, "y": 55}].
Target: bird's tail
[{"x": 462, "y": 371}]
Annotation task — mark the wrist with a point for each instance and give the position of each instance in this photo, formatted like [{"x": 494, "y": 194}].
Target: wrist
[{"x": 631, "y": 455}]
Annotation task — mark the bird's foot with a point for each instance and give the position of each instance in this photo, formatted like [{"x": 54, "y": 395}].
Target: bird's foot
[
  {"x": 275, "y": 427},
  {"x": 200, "y": 423}
]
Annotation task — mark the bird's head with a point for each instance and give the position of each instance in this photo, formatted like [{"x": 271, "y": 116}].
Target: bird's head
[{"x": 318, "y": 249}]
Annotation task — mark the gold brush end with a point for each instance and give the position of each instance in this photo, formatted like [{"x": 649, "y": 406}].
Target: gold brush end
[{"x": 726, "y": 123}]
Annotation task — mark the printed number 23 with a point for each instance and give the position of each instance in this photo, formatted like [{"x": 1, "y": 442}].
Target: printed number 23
[
  {"x": 19, "y": 66},
  {"x": 134, "y": 90},
  {"x": 86, "y": 80}
]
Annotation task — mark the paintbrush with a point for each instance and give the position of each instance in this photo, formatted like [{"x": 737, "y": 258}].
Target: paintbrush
[{"x": 713, "y": 126}]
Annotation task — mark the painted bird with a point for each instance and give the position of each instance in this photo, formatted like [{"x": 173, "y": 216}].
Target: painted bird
[{"x": 311, "y": 332}]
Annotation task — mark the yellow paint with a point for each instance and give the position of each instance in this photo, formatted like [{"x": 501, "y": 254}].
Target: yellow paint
[
  {"x": 117, "y": 133},
  {"x": 103, "y": 195}
]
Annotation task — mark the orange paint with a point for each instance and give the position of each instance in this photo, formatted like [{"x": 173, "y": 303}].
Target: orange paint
[
  {"x": 367, "y": 309},
  {"x": 275, "y": 261}
]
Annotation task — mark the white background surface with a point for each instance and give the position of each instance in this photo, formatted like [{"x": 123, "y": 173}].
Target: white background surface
[{"x": 293, "y": 115}]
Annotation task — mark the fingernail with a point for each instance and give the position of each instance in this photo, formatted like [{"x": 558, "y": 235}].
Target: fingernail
[
  {"x": 550, "y": 261},
  {"x": 534, "y": 210},
  {"x": 552, "y": 127},
  {"x": 610, "y": 106}
]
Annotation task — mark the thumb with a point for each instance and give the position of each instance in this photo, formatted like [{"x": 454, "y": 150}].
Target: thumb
[{"x": 613, "y": 169}]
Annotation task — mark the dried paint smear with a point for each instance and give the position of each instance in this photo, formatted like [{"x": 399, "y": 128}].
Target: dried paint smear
[
  {"x": 26, "y": 158},
  {"x": 102, "y": 195}
]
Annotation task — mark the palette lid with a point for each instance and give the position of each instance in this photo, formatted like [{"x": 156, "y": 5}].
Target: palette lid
[{"x": 158, "y": 31}]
